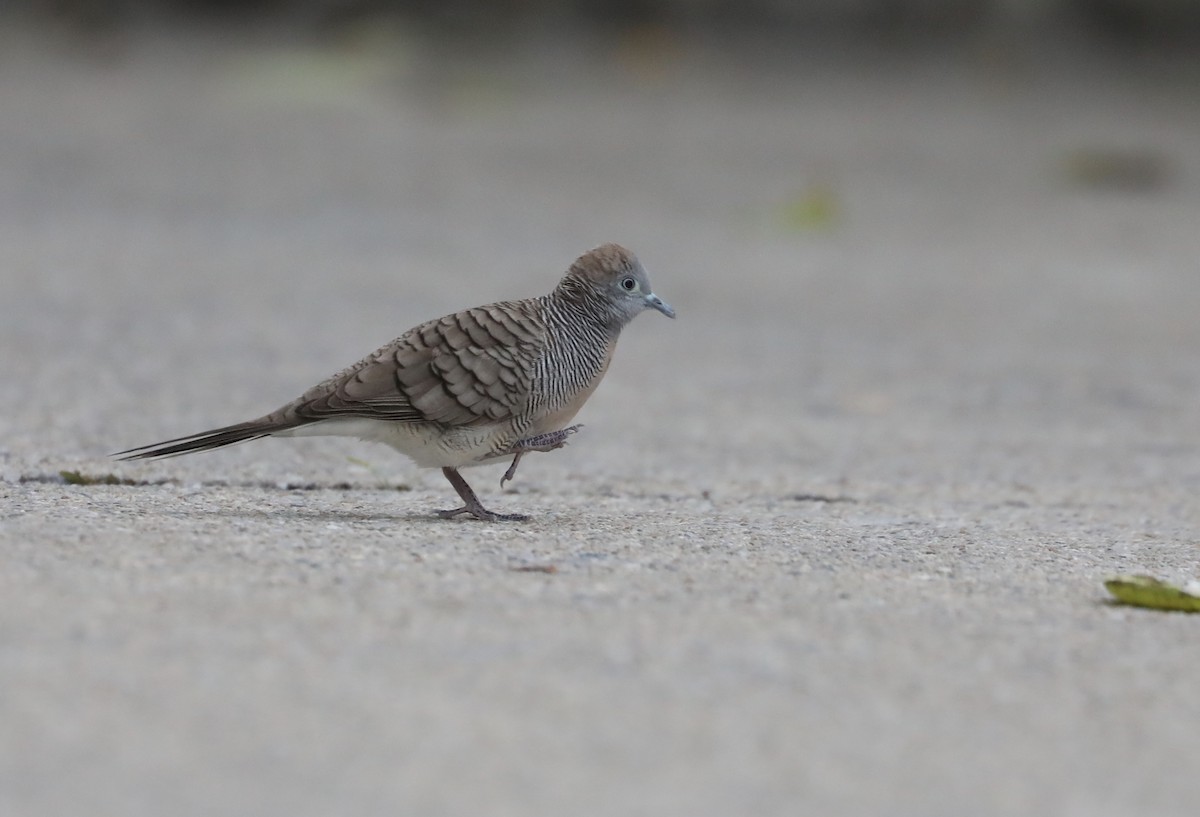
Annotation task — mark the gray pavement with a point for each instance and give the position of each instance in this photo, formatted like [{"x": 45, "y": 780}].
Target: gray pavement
[{"x": 830, "y": 543}]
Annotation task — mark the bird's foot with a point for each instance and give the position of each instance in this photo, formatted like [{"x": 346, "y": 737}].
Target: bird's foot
[
  {"x": 483, "y": 514},
  {"x": 512, "y": 469},
  {"x": 472, "y": 505},
  {"x": 545, "y": 442},
  {"x": 539, "y": 442}
]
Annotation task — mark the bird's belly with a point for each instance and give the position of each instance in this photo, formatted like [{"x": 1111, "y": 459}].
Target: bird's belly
[
  {"x": 427, "y": 446},
  {"x": 556, "y": 420}
]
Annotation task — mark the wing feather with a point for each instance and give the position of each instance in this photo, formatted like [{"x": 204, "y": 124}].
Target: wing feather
[{"x": 470, "y": 368}]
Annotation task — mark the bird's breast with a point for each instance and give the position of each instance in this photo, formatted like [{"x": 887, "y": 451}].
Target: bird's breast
[{"x": 566, "y": 381}]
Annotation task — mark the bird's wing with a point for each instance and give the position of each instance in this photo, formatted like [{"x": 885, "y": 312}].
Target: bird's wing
[{"x": 471, "y": 368}]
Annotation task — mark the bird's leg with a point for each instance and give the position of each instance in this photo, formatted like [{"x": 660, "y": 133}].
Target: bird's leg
[
  {"x": 539, "y": 442},
  {"x": 473, "y": 506}
]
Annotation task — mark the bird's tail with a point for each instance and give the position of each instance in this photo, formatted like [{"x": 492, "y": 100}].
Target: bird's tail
[{"x": 205, "y": 440}]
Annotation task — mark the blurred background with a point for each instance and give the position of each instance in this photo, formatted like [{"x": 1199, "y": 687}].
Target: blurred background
[
  {"x": 908, "y": 209},
  {"x": 1123, "y": 20}
]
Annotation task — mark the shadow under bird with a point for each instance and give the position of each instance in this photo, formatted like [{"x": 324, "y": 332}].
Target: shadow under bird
[{"x": 487, "y": 383}]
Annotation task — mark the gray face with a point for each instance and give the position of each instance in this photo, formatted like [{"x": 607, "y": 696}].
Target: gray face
[{"x": 632, "y": 293}]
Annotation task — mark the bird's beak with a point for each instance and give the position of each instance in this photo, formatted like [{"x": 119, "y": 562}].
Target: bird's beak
[{"x": 655, "y": 302}]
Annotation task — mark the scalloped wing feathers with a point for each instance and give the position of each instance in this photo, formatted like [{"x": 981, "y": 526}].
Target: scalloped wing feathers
[{"x": 470, "y": 368}]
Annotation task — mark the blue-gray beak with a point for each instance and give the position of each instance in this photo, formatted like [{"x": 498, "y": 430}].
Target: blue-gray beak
[{"x": 655, "y": 302}]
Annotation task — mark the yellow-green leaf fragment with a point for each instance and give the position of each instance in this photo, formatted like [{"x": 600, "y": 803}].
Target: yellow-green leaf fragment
[
  {"x": 1147, "y": 591},
  {"x": 814, "y": 209},
  {"x": 76, "y": 478}
]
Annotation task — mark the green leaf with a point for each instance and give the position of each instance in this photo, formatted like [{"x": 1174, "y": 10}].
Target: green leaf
[{"x": 1147, "y": 591}]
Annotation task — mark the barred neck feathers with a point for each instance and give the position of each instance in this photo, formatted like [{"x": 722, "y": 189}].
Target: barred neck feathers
[
  {"x": 581, "y": 335},
  {"x": 591, "y": 292}
]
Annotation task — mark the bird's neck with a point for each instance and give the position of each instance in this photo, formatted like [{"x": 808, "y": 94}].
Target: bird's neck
[{"x": 577, "y": 306}]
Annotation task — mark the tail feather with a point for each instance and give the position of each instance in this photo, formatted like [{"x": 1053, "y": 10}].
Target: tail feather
[{"x": 203, "y": 441}]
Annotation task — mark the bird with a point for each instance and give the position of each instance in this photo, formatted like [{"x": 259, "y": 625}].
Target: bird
[{"x": 496, "y": 381}]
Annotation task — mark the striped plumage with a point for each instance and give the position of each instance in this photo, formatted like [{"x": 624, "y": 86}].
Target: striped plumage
[{"x": 494, "y": 381}]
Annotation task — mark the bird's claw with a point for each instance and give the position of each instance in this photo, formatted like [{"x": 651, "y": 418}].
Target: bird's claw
[
  {"x": 542, "y": 442},
  {"x": 512, "y": 469}
]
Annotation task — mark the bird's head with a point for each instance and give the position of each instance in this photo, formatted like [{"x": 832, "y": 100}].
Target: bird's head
[{"x": 611, "y": 279}]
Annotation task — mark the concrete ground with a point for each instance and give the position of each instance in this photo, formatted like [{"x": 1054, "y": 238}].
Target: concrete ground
[{"x": 833, "y": 542}]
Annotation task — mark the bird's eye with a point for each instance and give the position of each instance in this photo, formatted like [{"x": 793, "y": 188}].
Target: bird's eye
[{"x": 628, "y": 284}]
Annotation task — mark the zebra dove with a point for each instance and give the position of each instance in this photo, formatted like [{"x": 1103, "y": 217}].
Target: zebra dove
[{"x": 495, "y": 381}]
